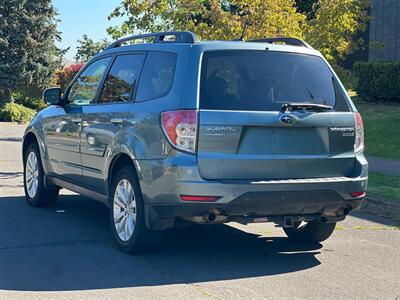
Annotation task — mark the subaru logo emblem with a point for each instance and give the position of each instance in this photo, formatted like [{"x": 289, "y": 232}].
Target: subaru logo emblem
[{"x": 288, "y": 119}]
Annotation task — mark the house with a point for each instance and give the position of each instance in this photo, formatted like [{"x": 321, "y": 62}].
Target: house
[{"x": 384, "y": 32}]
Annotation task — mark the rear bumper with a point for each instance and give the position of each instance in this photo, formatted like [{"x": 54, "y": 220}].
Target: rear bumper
[
  {"x": 268, "y": 203},
  {"x": 325, "y": 205},
  {"x": 320, "y": 196}
]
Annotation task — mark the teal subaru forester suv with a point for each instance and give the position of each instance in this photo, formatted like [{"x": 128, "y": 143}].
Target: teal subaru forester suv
[{"x": 165, "y": 129}]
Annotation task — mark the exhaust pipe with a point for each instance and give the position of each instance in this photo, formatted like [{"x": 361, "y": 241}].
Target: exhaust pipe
[{"x": 211, "y": 217}]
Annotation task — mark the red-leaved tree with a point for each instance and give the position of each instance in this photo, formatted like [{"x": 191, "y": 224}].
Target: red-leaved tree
[{"x": 64, "y": 76}]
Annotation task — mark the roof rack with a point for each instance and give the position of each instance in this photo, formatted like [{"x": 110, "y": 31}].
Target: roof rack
[
  {"x": 159, "y": 37},
  {"x": 285, "y": 40}
]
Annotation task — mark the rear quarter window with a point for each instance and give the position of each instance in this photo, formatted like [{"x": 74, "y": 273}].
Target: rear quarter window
[
  {"x": 264, "y": 81},
  {"x": 157, "y": 76}
]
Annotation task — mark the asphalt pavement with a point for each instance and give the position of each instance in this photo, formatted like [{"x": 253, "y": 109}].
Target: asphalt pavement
[{"x": 67, "y": 251}]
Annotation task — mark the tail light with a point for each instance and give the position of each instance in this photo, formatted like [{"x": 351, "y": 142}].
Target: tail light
[
  {"x": 357, "y": 194},
  {"x": 359, "y": 134},
  {"x": 180, "y": 127}
]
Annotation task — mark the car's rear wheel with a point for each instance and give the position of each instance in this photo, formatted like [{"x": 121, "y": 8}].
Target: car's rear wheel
[
  {"x": 127, "y": 214},
  {"x": 312, "y": 232},
  {"x": 36, "y": 193}
]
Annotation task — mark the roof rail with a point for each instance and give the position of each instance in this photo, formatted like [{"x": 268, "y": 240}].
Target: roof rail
[
  {"x": 159, "y": 37},
  {"x": 286, "y": 40}
]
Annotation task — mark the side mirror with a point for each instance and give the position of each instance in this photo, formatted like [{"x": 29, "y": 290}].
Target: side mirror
[{"x": 52, "y": 96}]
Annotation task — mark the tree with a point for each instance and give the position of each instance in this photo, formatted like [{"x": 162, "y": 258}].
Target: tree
[
  {"x": 308, "y": 7},
  {"x": 89, "y": 48},
  {"x": 28, "y": 55},
  {"x": 328, "y": 25},
  {"x": 334, "y": 28},
  {"x": 211, "y": 19},
  {"x": 63, "y": 77}
]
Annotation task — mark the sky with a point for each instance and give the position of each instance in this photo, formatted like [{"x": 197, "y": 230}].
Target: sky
[{"x": 79, "y": 17}]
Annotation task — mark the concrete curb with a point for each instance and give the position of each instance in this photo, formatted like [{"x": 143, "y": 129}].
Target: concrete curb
[{"x": 382, "y": 207}]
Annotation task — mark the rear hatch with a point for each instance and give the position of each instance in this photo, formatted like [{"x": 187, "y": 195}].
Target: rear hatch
[{"x": 246, "y": 132}]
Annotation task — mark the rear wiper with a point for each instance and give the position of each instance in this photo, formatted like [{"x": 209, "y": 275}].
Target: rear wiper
[{"x": 304, "y": 107}]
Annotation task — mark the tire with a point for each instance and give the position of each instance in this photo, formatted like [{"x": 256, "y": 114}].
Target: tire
[
  {"x": 131, "y": 237},
  {"x": 311, "y": 232},
  {"x": 36, "y": 193}
]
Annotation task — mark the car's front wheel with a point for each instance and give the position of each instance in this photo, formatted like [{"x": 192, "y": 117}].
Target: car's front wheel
[
  {"x": 313, "y": 232},
  {"x": 127, "y": 213},
  {"x": 36, "y": 193}
]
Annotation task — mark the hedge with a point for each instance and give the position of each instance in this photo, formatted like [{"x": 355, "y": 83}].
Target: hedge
[
  {"x": 346, "y": 77},
  {"x": 13, "y": 112},
  {"x": 378, "y": 81},
  {"x": 30, "y": 102}
]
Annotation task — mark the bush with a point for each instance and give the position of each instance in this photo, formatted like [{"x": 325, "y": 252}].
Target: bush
[
  {"x": 378, "y": 81},
  {"x": 30, "y": 102},
  {"x": 346, "y": 77},
  {"x": 13, "y": 112}
]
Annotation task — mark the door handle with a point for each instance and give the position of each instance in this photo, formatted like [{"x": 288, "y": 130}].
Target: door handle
[
  {"x": 117, "y": 121},
  {"x": 76, "y": 120}
]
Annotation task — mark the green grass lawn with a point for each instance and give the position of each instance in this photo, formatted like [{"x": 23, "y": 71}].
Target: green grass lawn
[
  {"x": 382, "y": 128},
  {"x": 384, "y": 186},
  {"x": 382, "y": 138}
]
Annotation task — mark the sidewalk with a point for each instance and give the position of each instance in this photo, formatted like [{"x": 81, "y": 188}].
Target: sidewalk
[
  {"x": 384, "y": 166},
  {"x": 11, "y": 131}
]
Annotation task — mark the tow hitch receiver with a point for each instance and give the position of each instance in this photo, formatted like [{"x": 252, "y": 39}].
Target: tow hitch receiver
[{"x": 288, "y": 222}]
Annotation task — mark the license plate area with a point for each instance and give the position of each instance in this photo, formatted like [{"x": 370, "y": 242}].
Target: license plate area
[{"x": 284, "y": 141}]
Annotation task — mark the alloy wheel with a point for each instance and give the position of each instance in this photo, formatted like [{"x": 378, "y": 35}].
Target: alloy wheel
[
  {"x": 124, "y": 209},
  {"x": 32, "y": 174}
]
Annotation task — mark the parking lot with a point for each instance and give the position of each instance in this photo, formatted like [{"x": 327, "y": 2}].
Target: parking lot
[{"x": 67, "y": 251}]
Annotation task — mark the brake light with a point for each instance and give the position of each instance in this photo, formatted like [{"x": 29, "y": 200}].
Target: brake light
[
  {"x": 180, "y": 127},
  {"x": 359, "y": 134}
]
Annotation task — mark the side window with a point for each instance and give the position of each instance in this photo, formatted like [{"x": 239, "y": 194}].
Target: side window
[
  {"x": 121, "y": 79},
  {"x": 157, "y": 76},
  {"x": 84, "y": 89}
]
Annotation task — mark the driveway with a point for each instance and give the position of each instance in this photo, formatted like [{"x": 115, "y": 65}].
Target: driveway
[{"x": 67, "y": 251}]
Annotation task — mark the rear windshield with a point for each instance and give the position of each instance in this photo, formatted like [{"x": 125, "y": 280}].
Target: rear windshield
[{"x": 264, "y": 81}]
